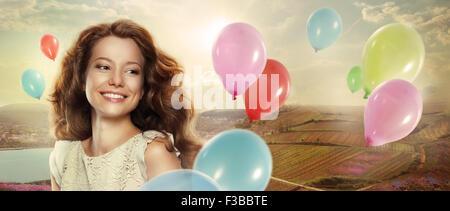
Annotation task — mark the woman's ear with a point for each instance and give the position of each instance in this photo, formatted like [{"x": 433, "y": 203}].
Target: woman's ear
[{"x": 142, "y": 94}]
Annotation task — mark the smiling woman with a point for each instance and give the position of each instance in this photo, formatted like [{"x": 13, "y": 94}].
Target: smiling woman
[
  {"x": 114, "y": 82},
  {"x": 112, "y": 113}
]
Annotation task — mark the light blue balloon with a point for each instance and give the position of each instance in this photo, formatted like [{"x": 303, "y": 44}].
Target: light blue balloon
[
  {"x": 238, "y": 160},
  {"x": 324, "y": 28},
  {"x": 33, "y": 83},
  {"x": 181, "y": 180}
]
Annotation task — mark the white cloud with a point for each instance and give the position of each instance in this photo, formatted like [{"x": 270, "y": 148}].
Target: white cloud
[
  {"x": 431, "y": 22},
  {"x": 376, "y": 13},
  {"x": 50, "y": 14}
]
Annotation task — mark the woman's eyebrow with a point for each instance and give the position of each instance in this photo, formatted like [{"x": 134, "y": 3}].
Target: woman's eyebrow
[
  {"x": 109, "y": 60},
  {"x": 133, "y": 62},
  {"x": 104, "y": 58}
]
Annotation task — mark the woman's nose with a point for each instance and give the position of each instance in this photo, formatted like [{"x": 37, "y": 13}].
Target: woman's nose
[{"x": 116, "y": 79}]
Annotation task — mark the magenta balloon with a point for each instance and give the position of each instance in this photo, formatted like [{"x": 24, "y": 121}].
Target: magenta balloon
[
  {"x": 239, "y": 49},
  {"x": 393, "y": 111}
]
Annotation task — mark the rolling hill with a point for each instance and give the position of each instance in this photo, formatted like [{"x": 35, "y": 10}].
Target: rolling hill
[{"x": 24, "y": 126}]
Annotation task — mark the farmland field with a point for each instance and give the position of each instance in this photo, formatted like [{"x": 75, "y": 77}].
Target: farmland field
[{"x": 324, "y": 148}]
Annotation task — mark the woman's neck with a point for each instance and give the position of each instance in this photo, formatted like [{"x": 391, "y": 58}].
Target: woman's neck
[{"x": 109, "y": 133}]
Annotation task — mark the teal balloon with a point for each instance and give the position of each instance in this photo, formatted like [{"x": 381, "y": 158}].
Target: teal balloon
[
  {"x": 33, "y": 83},
  {"x": 324, "y": 28},
  {"x": 238, "y": 160},
  {"x": 181, "y": 180}
]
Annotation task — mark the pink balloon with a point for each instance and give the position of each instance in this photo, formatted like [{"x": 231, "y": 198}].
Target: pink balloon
[
  {"x": 239, "y": 53},
  {"x": 393, "y": 111}
]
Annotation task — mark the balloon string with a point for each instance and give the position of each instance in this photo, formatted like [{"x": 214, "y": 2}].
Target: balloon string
[{"x": 351, "y": 26}]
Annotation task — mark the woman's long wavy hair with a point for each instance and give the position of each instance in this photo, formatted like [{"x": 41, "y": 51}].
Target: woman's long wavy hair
[{"x": 71, "y": 114}]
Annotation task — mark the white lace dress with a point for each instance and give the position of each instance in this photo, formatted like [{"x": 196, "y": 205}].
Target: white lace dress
[{"x": 123, "y": 168}]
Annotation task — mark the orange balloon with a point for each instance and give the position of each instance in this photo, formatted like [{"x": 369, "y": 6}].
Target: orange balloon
[
  {"x": 49, "y": 46},
  {"x": 260, "y": 97}
]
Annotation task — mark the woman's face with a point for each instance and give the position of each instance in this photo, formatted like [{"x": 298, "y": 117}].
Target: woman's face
[{"x": 114, "y": 82}]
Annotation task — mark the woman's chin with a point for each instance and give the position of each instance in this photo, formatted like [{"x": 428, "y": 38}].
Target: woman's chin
[{"x": 113, "y": 113}]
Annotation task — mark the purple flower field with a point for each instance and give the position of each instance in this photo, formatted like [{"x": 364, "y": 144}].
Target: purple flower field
[{"x": 23, "y": 187}]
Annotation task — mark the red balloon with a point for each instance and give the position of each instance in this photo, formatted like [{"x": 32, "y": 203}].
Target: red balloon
[
  {"x": 264, "y": 96},
  {"x": 49, "y": 46}
]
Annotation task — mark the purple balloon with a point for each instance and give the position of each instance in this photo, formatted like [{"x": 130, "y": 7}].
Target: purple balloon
[
  {"x": 393, "y": 111},
  {"x": 240, "y": 53}
]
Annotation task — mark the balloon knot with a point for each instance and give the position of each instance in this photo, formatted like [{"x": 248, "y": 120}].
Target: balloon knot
[
  {"x": 367, "y": 93},
  {"x": 369, "y": 141},
  {"x": 235, "y": 91}
]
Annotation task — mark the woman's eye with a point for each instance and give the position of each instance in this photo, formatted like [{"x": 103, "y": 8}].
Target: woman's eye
[
  {"x": 102, "y": 67},
  {"x": 133, "y": 72}
]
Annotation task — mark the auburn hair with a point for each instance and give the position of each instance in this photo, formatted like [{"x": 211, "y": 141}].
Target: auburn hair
[{"x": 70, "y": 118}]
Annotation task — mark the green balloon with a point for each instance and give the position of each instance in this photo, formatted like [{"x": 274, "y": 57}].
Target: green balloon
[
  {"x": 354, "y": 79},
  {"x": 393, "y": 51}
]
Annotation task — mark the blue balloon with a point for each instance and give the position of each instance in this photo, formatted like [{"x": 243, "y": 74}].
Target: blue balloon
[
  {"x": 324, "y": 28},
  {"x": 33, "y": 83},
  {"x": 181, "y": 180},
  {"x": 239, "y": 160}
]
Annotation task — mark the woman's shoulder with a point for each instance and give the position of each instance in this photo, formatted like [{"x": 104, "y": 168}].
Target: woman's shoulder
[
  {"x": 151, "y": 136},
  {"x": 156, "y": 156},
  {"x": 63, "y": 143},
  {"x": 57, "y": 157},
  {"x": 62, "y": 147}
]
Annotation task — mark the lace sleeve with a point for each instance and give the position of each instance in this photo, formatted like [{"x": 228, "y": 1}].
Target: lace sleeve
[
  {"x": 53, "y": 169},
  {"x": 56, "y": 159}
]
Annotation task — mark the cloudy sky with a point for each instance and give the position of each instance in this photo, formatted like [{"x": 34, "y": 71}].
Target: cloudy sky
[{"x": 186, "y": 29}]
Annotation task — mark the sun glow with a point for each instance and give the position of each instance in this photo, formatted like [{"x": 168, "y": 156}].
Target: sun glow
[{"x": 207, "y": 34}]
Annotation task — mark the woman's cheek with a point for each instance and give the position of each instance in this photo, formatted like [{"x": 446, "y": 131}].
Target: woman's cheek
[{"x": 136, "y": 85}]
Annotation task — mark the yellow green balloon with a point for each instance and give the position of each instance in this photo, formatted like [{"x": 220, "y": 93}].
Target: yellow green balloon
[
  {"x": 393, "y": 51},
  {"x": 354, "y": 79}
]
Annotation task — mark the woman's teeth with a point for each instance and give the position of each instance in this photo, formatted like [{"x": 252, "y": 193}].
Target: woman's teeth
[{"x": 113, "y": 96}]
